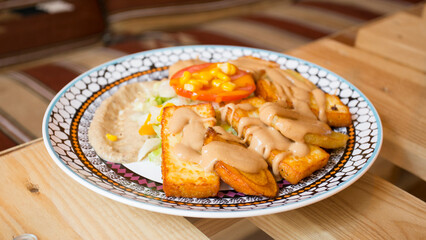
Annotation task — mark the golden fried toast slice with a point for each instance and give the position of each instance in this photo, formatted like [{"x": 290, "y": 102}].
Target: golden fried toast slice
[
  {"x": 293, "y": 169},
  {"x": 261, "y": 184},
  {"x": 337, "y": 113},
  {"x": 182, "y": 178}
]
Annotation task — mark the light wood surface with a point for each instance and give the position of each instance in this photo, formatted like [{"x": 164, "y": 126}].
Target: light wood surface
[
  {"x": 398, "y": 93},
  {"x": 37, "y": 197},
  {"x": 424, "y": 12},
  {"x": 369, "y": 209},
  {"x": 401, "y": 37}
]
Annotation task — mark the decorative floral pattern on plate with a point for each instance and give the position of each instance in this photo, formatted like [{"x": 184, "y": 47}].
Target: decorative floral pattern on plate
[{"x": 67, "y": 120}]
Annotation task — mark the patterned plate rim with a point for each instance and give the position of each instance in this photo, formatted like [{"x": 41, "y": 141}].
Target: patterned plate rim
[{"x": 221, "y": 213}]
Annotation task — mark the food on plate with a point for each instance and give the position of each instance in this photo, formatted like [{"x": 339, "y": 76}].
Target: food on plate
[
  {"x": 337, "y": 113},
  {"x": 112, "y": 131},
  {"x": 245, "y": 122},
  {"x": 273, "y": 145},
  {"x": 184, "y": 178},
  {"x": 214, "y": 82},
  {"x": 258, "y": 183}
]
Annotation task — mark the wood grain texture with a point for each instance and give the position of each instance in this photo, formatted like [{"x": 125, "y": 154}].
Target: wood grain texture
[
  {"x": 369, "y": 209},
  {"x": 424, "y": 12},
  {"x": 24, "y": 106},
  {"x": 37, "y": 197},
  {"x": 396, "y": 91},
  {"x": 400, "y": 37}
]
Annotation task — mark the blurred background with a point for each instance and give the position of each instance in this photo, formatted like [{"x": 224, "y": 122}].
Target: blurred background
[{"x": 44, "y": 44}]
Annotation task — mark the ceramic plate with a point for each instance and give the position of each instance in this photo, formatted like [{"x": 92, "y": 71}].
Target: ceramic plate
[{"x": 68, "y": 117}]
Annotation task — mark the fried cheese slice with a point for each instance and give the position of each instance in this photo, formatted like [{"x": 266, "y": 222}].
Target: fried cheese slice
[
  {"x": 291, "y": 168},
  {"x": 260, "y": 184},
  {"x": 294, "y": 169},
  {"x": 185, "y": 178},
  {"x": 337, "y": 113}
]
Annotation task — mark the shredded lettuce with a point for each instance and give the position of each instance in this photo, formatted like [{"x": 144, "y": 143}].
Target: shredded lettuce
[
  {"x": 155, "y": 156},
  {"x": 157, "y": 129},
  {"x": 157, "y": 100},
  {"x": 149, "y": 145},
  {"x": 229, "y": 129}
]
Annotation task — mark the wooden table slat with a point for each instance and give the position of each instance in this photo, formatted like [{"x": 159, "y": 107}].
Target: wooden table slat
[
  {"x": 39, "y": 198},
  {"x": 370, "y": 209},
  {"x": 400, "y": 37},
  {"x": 396, "y": 91}
]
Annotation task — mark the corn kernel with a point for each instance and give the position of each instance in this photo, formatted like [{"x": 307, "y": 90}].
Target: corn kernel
[
  {"x": 232, "y": 69},
  {"x": 215, "y": 71},
  {"x": 203, "y": 82},
  {"x": 186, "y": 76},
  {"x": 195, "y": 75},
  {"x": 196, "y": 83},
  {"x": 111, "y": 137},
  {"x": 228, "y": 86},
  {"x": 217, "y": 82},
  {"x": 162, "y": 109},
  {"x": 206, "y": 76},
  {"x": 189, "y": 87},
  {"x": 223, "y": 77},
  {"x": 227, "y": 68}
]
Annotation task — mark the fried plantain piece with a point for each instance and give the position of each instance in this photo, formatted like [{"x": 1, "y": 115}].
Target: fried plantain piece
[
  {"x": 261, "y": 184},
  {"x": 337, "y": 113},
  {"x": 184, "y": 178},
  {"x": 291, "y": 168}
]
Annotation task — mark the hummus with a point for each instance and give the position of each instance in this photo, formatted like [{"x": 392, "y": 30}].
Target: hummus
[{"x": 116, "y": 116}]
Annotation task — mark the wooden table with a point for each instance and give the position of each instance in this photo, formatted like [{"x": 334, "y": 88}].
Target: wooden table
[{"x": 37, "y": 197}]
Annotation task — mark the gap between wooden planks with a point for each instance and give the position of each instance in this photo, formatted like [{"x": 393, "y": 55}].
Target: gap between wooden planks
[
  {"x": 39, "y": 198},
  {"x": 396, "y": 91}
]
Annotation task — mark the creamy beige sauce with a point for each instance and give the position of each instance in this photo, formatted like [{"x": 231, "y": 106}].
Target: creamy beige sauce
[
  {"x": 276, "y": 162},
  {"x": 246, "y": 106},
  {"x": 191, "y": 147},
  {"x": 235, "y": 155},
  {"x": 226, "y": 135},
  {"x": 297, "y": 91},
  {"x": 116, "y": 116},
  {"x": 293, "y": 124},
  {"x": 176, "y": 67},
  {"x": 280, "y": 127},
  {"x": 253, "y": 65},
  {"x": 243, "y": 106},
  {"x": 191, "y": 125},
  {"x": 319, "y": 97}
]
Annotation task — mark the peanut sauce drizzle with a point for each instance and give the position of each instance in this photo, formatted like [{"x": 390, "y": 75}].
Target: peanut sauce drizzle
[
  {"x": 277, "y": 128},
  {"x": 191, "y": 147},
  {"x": 292, "y": 123}
]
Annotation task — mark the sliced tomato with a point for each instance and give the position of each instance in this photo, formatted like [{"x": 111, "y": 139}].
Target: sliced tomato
[{"x": 244, "y": 86}]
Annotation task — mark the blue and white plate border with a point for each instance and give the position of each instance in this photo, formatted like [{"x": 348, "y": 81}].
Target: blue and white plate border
[{"x": 196, "y": 213}]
